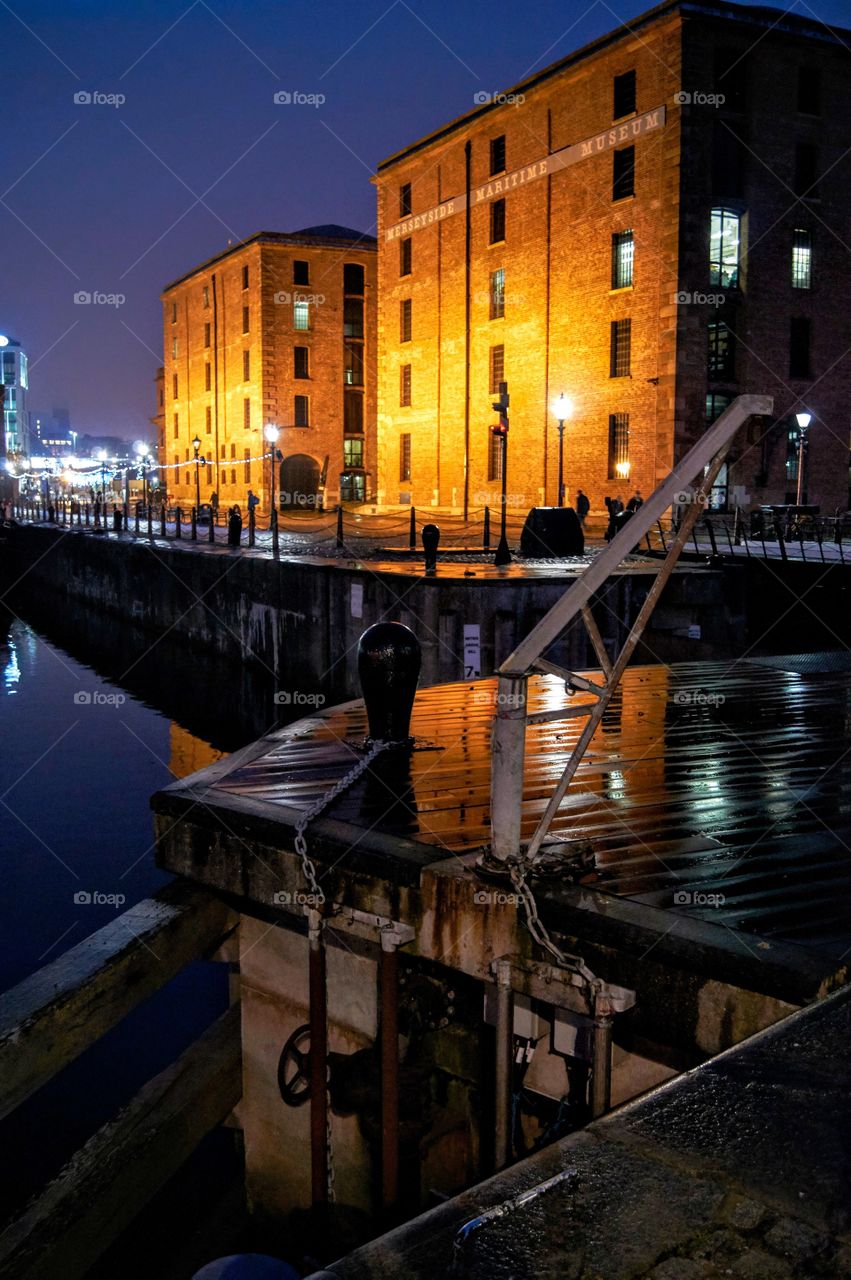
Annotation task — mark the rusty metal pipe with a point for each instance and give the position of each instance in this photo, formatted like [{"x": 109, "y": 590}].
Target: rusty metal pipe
[
  {"x": 388, "y": 971},
  {"x": 318, "y": 1061},
  {"x": 504, "y": 1030},
  {"x": 601, "y": 1071}
]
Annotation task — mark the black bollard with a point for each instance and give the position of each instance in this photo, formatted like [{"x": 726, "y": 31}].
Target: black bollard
[
  {"x": 431, "y": 539},
  {"x": 193, "y": 528},
  {"x": 389, "y": 659},
  {"x": 486, "y": 533},
  {"x": 412, "y": 532},
  {"x": 340, "y": 525},
  {"x": 178, "y": 515}
]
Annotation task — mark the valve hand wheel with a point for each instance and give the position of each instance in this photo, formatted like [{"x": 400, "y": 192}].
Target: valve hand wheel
[{"x": 294, "y": 1068}]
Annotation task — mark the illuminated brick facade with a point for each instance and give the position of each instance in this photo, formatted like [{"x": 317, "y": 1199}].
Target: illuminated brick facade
[
  {"x": 279, "y": 329},
  {"x": 592, "y": 189}
]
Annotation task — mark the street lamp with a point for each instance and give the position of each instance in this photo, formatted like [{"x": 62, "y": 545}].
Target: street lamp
[
  {"x": 144, "y": 458},
  {"x": 100, "y": 454},
  {"x": 196, "y": 445},
  {"x": 563, "y": 409},
  {"x": 270, "y": 434},
  {"x": 803, "y": 420}
]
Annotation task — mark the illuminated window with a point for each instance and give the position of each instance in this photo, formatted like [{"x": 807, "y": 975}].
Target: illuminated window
[
  {"x": 301, "y": 272},
  {"x": 800, "y": 365},
  {"x": 494, "y": 457},
  {"x": 722, "y": 350},
  {"x": 301, "y": 360},
  {"x": 405, "y": 456},
  {"x": 802, "y": 258},
  {"x": 405, "y": 257},
  {"x": 716, "y": 403},
  {"x": 623, "y": 173},
  {"x": 618, "y": 446},
  {"x": 301, "y": 316},
  {"x": 497, "y": 221},
  {"x": 405, "y": 200},
  {"x": 302, "y": 411},
  {"x": 498, "y": 154},
  {"x": 352, "y": 487},
  {"x": 246, "y": 366},
  {"x": 497, "y": 368},
  {"x": 353, "y": 453},
  {"x": 724, "y": 248},
  {"x": 405, "y": 320},
  {"x": 621, "y": 348},
  {"x": 405, "y": 385},
  {"x": 624, "y": 95},
  {"x": 497, "y": 294},
  {"x": 623, "y": 257}
]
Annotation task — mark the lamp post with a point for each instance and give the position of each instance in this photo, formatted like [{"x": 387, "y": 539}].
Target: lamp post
[
  {"x": 803, "y": 420},
  {"x": 270, "y": 434},
  {"x": 101, "y": 457},
  {"x": 196, "y": 445},
  {"x": 563, "y": 409}
]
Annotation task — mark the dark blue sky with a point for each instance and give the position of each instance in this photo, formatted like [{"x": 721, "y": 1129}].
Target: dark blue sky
[{"x": 105, "y": 198}]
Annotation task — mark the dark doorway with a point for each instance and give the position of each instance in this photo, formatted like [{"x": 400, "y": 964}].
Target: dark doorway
[{"x": 300, "y": 482}]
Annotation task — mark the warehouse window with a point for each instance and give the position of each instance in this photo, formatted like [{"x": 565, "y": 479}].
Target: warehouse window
[
  {"x": 353, "y": 318},
  {"x": 497, "y": 368},
  {"x": 497, "y": 221},
  {"x": 405, "y": 456},
  {"x": 301, "y": 358},
  {"x": 405, "y": 200},
  {"x": 624, "y": 95},
  {"x": 800, "y": 363},
  {"x": 405, "y": 386},
  {"x": 246, "y": 474},
  {"x": 806, "y": 170},
  {"x": 405, "y": 257},
  {"x": 405, "y": 320},
  {"x": 352, "y": 411},
  {"x": 174, "y": 386},
  {"x": 246, "y": 418},
  {"x": 353, "y": 453},
  {"x": 621, "y": 345},
  {"x": 498, "y": 154},
  {"x": 494, "y": 457},
  {"x": 716, "y": 403},
  {"x": 245, "y": 277},
  {"x": 802, "y": 258},
  {"x": 623, "y": 257},
  {"x": 301, "y": 272},
  {"x": 208, "y": 420},
  {"x": 245, "y": 319},
  {"x": 208, "y": 376},
  {"x": 722, "y": 350},
  {"x": 618, "y": 446},
  {"x": 207, "y": 334},
  {"x": 206, "y": 296},
  {"x": 301, "y": 316},
  {"x": 353, "y": 278},
  {"x": 497, "y": 294},
  {"x": 809, "y": 91},
  {"x": 246, "y": 366},
  {"x": 175, "y": 425},
  {"x": 302, "y": 411},
  {"x": 174, "y": 313},
  {"x": 724, "y": 248},
  {"x": 623, "y": 173}
]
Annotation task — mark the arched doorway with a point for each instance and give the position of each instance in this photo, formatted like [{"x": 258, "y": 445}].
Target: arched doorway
[{"x": 299, "y": 485}]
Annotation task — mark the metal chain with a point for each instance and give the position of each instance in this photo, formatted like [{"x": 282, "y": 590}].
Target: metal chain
[
  {"x": 308, "y": 868},
  {"x": 538, "y": 929},
  {"x": 307, "y": 865}
]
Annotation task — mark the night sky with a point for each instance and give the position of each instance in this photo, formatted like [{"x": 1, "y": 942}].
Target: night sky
[{"x": 122, "y": 199}]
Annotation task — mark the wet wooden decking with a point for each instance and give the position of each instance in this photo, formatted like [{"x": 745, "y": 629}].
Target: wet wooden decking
[{"x": 717, "y": 791}]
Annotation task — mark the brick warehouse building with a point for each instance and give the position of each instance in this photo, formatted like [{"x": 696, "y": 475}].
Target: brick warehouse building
[
  {"x": 277, "y": 329},
  {"x": 636, "y": 244}
]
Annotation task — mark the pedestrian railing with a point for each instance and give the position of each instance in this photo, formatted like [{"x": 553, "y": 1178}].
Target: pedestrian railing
[{"x": 57, "y": 1013}]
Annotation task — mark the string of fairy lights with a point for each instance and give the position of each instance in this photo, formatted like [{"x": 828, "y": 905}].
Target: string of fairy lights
[{"x": 116, "y": 466}]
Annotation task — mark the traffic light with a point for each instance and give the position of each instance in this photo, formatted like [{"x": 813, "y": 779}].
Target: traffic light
[{"x": 501, "y": 407}]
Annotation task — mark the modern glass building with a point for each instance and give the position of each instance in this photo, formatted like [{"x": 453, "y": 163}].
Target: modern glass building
[{"x": 15, "y": 381}]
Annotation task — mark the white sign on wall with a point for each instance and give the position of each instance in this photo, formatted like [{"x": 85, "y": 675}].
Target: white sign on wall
[
  {"x": 357, "y": 599},
  {"x": 472, "y": 651}
]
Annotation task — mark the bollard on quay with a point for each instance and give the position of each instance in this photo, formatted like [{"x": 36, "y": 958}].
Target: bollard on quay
[
  {"x": 389, "y": 661},
  {"x": 431, "y": 540}
]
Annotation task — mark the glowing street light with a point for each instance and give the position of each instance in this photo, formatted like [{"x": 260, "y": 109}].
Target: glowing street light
[
  {"x": 563, "y": 410},
  {"x": 196, "y": 445},
  {"x": 270, "y": 434}
]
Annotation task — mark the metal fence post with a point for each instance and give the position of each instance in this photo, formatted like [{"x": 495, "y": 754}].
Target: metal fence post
[
  {"x": 486, "y": 532},
  {"x": 340, "y": 525},
  {"x": 193, "y": 528},
  {"x": 412, "y": 535}
]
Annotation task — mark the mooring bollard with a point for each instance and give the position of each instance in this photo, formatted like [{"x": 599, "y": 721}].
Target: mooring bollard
[
  {"x": 389, "y": 660},
  {"x": 177, "y": 518},
  {"x": 340, "y": 525},
  {"x": 193, "y": 529},
  {"x": 431, "y": 539},
  {"x": 412, "y": 534},
  {"x": 274, "y": 522}
]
